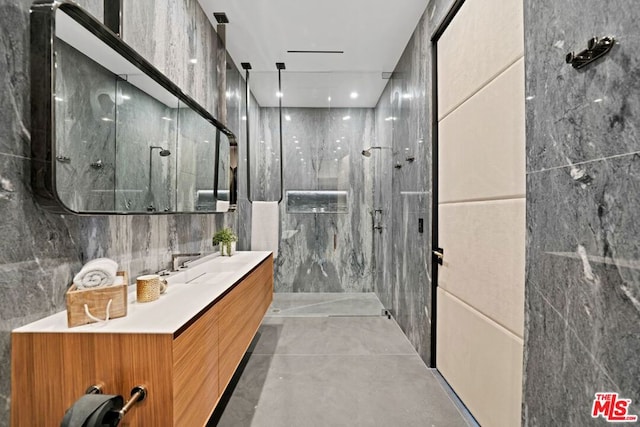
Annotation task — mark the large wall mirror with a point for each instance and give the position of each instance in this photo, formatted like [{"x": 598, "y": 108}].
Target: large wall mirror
[{"x": 112, "y": 135}]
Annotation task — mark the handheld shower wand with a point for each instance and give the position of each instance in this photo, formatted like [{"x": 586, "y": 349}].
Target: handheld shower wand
[{"x": 367, "y": 152}]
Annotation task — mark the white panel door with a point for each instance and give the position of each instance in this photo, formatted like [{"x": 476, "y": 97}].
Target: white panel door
[{"x": 481, "y": 208}]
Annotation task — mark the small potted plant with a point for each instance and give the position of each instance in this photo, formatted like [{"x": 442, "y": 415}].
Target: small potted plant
[{"x": 226, "y": 238}]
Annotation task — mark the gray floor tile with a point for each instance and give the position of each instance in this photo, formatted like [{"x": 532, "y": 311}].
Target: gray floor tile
[
  {"x": 331, "y": 335},
  {"x": 308, "y": 368},
  {"x": 301, "y": 391}
]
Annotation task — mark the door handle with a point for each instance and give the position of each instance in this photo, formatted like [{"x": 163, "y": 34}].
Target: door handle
[{"x": 438, "y": 255}]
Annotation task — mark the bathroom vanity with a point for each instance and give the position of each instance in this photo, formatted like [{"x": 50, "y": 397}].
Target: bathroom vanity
[{"x": 184, "y": 348}]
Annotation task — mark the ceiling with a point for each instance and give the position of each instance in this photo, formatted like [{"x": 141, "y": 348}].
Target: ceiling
[{"x": 371, "y": 33}]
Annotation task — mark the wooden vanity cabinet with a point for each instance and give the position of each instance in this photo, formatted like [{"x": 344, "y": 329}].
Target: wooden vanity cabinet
[{"x": 185, "y": 372}]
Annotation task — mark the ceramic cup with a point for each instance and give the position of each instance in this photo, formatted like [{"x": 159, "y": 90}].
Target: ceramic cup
[{"x": 149, "y": 287}]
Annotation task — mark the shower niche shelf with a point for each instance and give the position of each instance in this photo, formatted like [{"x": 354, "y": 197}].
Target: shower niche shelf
[
  {"x": 110, "y": 133},
  {"x": 317, "y": 201}
]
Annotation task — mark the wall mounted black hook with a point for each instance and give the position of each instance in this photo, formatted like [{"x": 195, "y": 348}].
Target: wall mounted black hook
[{"x": 596, "y": 48}]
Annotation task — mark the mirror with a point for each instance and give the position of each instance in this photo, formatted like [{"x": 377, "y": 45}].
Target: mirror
[{"x": 113, "y": 135}]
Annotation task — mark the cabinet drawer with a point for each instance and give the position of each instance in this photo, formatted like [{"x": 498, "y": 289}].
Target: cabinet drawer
[
  {"x": 195, "y": 371},
  {"x": 241, "y": 312}
]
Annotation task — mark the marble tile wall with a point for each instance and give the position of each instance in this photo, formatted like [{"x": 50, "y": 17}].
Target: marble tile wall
[
  {"x": 323, "y": 252},
  {"x": 583, "y": 185},
  {"x": 402, "y": 253},
  {"x": 40, "y": 251}
]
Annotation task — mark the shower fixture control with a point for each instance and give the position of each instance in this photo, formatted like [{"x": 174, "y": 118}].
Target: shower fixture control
[
  {"x": 63, "y": 159},
  {"x": 97, "y": 164}
]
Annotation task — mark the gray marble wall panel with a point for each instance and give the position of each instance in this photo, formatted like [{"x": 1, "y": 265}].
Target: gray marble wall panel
[
  {"x": 40, "y": 251},
  {"x": 582, "y": 282},
  {"x": 322, "y": 151},
  {"x": 403, "y": 254}
]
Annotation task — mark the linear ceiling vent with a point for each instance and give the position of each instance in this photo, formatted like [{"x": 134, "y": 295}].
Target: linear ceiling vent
[
  {"x": 221, "y": 17},
  {"x": 315, "y": 51}
]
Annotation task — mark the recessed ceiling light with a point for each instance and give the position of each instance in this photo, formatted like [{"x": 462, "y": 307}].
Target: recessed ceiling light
[
  {"x": 337, "y": 140},
  {"x": 125, "y": 97},
  {"x": 407, "y": 96},
  {"x": 287, "y": 118},
  {"x": 57, "y": 98},
  {"x": 346, "y": 118},
  {"x": 107, "y": 119},
  {"x": 279, "y": 94},
  {"x": 244, "y": 118},
  {"x": 354, "y": 95},
  {"x": 193, "y": 60},
  {"x": 329, "y": 99},
  {"x": 166, "y": 118}
]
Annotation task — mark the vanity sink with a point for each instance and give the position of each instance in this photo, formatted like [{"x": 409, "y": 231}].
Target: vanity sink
[
  {"x": 212, "y": 277},
  {"x": 210, "y": 269}
]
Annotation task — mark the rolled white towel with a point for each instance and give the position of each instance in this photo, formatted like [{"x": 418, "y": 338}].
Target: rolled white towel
[{"x": 96, "y": 273}]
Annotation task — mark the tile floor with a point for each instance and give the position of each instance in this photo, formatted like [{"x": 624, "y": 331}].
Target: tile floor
[{"x": 333, "y": 369}]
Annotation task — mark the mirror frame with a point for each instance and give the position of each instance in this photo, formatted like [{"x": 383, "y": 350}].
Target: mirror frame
[{"x": 43, "y": 85}]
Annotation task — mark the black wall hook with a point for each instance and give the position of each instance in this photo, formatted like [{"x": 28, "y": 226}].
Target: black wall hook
[{"x": 596, "y": 48}]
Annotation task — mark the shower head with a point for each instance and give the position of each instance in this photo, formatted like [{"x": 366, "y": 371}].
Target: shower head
[{"x": 163, "y": 152}]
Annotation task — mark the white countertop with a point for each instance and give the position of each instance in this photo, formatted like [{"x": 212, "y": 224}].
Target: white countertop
[{"x": 190, "y": 290}]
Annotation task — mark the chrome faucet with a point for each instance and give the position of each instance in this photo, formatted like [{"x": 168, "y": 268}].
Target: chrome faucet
[{"x": 176, "y": 257}]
